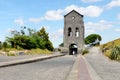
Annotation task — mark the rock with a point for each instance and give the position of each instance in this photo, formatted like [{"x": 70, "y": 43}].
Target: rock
[
  {"x": 21, "y": 53},
  {"x": 2, "y": 53}
]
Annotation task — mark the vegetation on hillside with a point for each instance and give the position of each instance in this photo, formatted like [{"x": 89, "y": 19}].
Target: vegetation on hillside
[{"x": 112, "y": 49}]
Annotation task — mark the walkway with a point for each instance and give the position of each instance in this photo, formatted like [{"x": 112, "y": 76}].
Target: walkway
[
  {"x": 104, "y": 67},
  {"x": 52, "y": 69},
  {"x": 83, "y": 73}
]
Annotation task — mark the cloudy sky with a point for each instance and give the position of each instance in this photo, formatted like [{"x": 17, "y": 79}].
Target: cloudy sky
[{"x": 100, "y": 17}]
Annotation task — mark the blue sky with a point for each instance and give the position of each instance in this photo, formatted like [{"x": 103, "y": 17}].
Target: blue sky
[{"x": 100, "y": 17}]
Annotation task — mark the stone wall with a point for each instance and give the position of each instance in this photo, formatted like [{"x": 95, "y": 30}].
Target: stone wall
[{"x": 73, "y": 30}]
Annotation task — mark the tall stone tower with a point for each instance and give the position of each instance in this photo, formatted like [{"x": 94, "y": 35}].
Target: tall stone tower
[{"x": 73, "y": 32}]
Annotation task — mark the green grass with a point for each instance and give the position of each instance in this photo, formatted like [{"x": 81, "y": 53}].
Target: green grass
[{"x": 115, "y": 53}]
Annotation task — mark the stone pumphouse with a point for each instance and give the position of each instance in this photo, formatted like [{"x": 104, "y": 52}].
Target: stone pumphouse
[{"x": 73, "y": 32}]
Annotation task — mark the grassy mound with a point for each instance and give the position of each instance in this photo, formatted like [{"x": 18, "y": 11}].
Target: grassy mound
[{"x": 111, "y": 50}]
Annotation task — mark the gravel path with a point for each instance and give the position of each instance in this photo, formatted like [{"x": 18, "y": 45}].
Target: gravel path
[{"x": 104, "y": 67}]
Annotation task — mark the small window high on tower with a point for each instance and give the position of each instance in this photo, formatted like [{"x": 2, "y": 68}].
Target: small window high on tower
[
  {"x": 77, "y": 32},
  {"x": 69, "y": 32}
]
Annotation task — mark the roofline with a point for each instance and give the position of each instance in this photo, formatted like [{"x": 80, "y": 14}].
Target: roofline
[{"x": 73, "y": 11}]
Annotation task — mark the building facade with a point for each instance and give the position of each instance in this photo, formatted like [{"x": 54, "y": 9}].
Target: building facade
[{"x": 73, "y": 32}]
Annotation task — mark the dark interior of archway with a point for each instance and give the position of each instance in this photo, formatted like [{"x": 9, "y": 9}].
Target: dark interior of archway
[{"x": 73, "y": 49}]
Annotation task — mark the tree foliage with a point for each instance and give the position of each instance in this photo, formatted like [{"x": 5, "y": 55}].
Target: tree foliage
[
  {"x": 34, "y": 39},
  {"x": 61, "y": 45},
  {"x": 93, "y": 39},
  {"x": 4, "y": 45},
  {"x": 0, "y": 45}
]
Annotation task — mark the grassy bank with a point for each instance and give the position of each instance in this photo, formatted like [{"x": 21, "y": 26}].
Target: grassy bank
[
  {"x": 15, "y": 52},
  {"x": 108, "y": 48},
  {"x": 38, "y": 51}
]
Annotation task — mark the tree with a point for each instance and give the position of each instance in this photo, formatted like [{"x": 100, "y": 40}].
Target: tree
[
  {"x": 43, "y": 34},
  {"x": 45, "y": 39},
  {"x": 93, "y": 39},
  {"x": 4, "y": 45},
  {"x": 34, "y": 39},
  {"x": 49, "y": 45},
  {"x": 61, "y": 45},
  {"x": 23, "y": 30},
  {"x": 0, "y": 45}
]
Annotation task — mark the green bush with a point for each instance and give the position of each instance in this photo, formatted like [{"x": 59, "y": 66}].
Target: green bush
[{"x": 115, "y": 53}]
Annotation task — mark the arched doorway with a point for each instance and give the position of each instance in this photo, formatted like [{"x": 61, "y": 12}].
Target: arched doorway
[{"x": 73, "y": 49}]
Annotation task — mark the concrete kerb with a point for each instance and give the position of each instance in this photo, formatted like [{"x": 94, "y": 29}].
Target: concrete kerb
[
  {"x": 92, "y": 72},
  {"x": 73, "y": 75},
  {"x": 29, "y": 60}
]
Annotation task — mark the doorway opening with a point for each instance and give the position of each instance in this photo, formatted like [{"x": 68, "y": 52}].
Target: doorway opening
[{"x": 73, "y": 49}]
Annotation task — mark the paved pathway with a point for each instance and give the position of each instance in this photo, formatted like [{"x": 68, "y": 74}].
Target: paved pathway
[
  {"x": 83, "y": 73},
  {"x": 52, "y": 69},
  {"x": 11, "y": 58},
  {"x": 105, "y": 68}
]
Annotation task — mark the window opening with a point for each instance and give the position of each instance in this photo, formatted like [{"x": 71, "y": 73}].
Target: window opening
[
  {"x": 77, "y": 32},
  {"x": 69, "y": 32}
]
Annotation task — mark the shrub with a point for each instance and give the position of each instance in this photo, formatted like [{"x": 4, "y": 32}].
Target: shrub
[
  {"x": 85, "y": 52},
  {"x": 115, "y": 53}
]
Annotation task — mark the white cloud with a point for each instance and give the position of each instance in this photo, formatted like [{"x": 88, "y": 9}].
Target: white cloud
[
  {"x": 53, "y": 15},
  {"x": 89, "y": 31},
  {"x": 10, "y": 31},
  {"x": 36, "y": 20},
  {"x": 49, "y": 15},
  {"x": 70, "y": 8},
  {"x": 60, "y": 31},
  {"x": 91, "y": 0},
  {"x": 113, "y": 3},
  {"x": 99, "y": 26},
  {"x": 117, "y": 30},
  {"x": 56, "y": 35},
  {"x": 118, "y": 16},
  {"x": 19, "y": 21},
  {"x": 91, "y": 11}
]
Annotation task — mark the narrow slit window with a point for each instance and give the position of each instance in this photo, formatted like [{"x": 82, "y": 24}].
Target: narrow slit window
[
  {"x": 69, "y": 32},
  {"x": 77, "y": 32}
]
